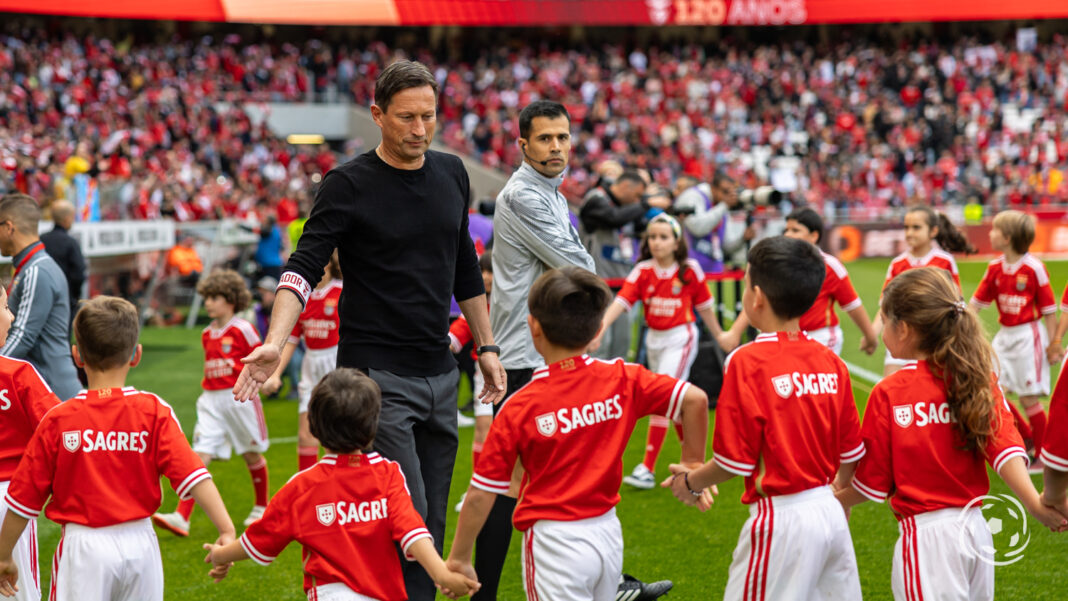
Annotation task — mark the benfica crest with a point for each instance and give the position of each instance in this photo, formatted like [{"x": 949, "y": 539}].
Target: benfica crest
[
  {"x": 325, "y": 513},
  {"x": 72, "y": 440},
  {"x": 546, "y": 424},
  {"x": 329, "y": 306},
  {"x": 227, "y": 344},
  {"x": 783, "y": 385},
  {"x": 1021, "y": 282},
  {"x": 903, "y": 415}
]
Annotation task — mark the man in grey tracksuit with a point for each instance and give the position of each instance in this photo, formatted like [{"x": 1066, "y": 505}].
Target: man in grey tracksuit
[{"x": 37, "y": 296}]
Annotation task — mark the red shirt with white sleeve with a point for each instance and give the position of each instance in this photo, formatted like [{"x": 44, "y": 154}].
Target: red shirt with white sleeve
[
  {"x": 319, "y": 323},
  {"x": 100, "y": 456},
  {"x": 223, "y": 350},
  {"x": 1021, "y": 290},
  {"x": 668, "y": 301},
  {"x": 569, "y": 427},
  {"x": 24, "y": 400},
  {"x": 936, "y": 257},
  {"x": 347, "y": 511},
  {"x": 1055, "y": 443},
  {"x": 914, "y": 450},
  {"x": 786, "y": 419},
  {"x": 836, "y": 288}
]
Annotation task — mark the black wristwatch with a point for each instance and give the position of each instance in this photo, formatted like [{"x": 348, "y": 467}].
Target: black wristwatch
[{"x": 488, "y": 348}]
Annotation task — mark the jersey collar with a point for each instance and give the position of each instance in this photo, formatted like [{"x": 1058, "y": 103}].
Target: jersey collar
[
  {"x": 353, "y": 460},
  {"x": 569, "y": 364},
  {"x": 1011, "y": 268}
]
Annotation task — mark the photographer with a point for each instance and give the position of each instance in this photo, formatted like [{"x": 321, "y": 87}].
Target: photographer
[
  {"x": 715, "y": 239},
  {"x": 608, "y": 218}
]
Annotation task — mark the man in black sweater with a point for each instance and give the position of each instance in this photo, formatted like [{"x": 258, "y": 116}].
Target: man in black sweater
[
  {"x": 398, "y": 217},
  {"x": 64, "y": 249}
]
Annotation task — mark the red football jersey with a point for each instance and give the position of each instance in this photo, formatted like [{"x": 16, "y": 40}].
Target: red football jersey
[
  {"x": 786, "y": 418},
  {"x": 836, "y": 288},
  {"x": 914, "y": 451},
  {"x": 347, "y": 511},
  {"x": 319, "y": 322},
  {"x": 100, "y": 456},
  {"x": 1021, "y": 290},
  {"x": 1064, "y": 301},
  {"x": 1055, "y": 442},
  {"x": 569, "y": 427},
  {"x": 668, "y": 301},
  {"x": 224, "y": 348},
  {"x": 935, "y": 258},
  {"x": 24, "y": 399}
]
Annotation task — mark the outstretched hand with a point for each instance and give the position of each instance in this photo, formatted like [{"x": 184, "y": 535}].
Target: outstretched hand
[
  {"x": 496, "y": 380},
  {"x": 218, "y": 569},
  {"x": 260, "y": 365}
]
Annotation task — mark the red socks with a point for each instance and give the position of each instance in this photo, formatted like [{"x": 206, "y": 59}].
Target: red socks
[
  {"x": 1021, "y": 423},
  {"x": 1037, "y": 416},
  {"x": 654, "y": 441},
  {"x": 185, "y": 508},
  {"x": 307, "y": 457},
  {"x": 259, "y": 482}
]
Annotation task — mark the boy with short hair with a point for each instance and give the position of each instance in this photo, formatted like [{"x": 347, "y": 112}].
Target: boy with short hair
[
  {"x": 24, "y": 400},
  {"x": 100, "y": 456},
  {"x": 224, "y": 425},
  {"x": 348, "y": 511},
  {"x": 569, "y": 428},
  {"x": 787, "y": 423},
  {"x": 1019, "y": 283}
]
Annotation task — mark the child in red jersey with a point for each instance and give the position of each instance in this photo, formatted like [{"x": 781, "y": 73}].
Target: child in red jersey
[
  {"x": 568, "y": 427},
  {"x": 319, "y": 326},
  {"x": 820, "y": 322},
  {"x": 930, "y": 237},
  {"x": 1019, "y": 283},
  {"x": 224, "y": 425},
  {"x": 100, "y": 456},
  {"x": 930, "y": 430},
  {"x": 348, "y": 511},
  {"x": 671, "y": 288},
  {"x": 1055, "y": 450},
  {"x": 787, "y": 423},
  {"x": 24, "y": 400}
]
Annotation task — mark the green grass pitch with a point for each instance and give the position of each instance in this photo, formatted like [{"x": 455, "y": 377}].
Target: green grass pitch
[{"x": 663, "y": 539}]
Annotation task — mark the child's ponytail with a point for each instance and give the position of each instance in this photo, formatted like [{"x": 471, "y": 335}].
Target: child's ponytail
[
  {"x": 948, "y": 237},
  {"x": 952, "y": 336}
]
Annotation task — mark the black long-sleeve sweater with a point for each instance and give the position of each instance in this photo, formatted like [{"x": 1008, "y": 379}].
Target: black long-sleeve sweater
[{"x": 404, "y": 249}]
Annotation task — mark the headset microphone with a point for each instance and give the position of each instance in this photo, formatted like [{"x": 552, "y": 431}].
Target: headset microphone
[{"x": 542, "y": 163}]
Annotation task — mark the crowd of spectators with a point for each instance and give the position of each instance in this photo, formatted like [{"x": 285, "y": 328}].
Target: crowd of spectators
[{"x": 856, "y": 125}]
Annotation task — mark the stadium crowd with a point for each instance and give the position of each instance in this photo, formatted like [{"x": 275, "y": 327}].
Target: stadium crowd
[{"x": 854, "y": 125}]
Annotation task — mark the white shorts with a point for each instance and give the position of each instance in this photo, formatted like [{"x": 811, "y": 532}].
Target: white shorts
[
  {"x": 1021, "y": 352},
  {"x": 335, "y": 592},
  {"x": 113, "y": 563},
  {"x": 830, "y": 337},
  {"x": 481, "y": 409},
  {"x": 795, "y": 547},
  {"x": 317, "y": 363},
  {"x": 930, "y": 561},
  {"x": 225, "y": 425},
  {"x": 581, "y": 560},
  {"x": 25, "y": 556},
  {"x": 672, "y": 352}
]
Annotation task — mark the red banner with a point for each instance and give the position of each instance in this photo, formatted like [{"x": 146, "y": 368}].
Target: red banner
[{"x": 552, "y": 12}]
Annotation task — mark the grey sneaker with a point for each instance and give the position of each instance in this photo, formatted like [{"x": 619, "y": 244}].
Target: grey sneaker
[
  {"x": 641, "y": 478},
  {"x": 632, "y": 589}
]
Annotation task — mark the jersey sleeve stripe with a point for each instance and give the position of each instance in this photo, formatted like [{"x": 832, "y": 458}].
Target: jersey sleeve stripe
[
  {"x": 854, "y": 455},
  {"x": 409, "y": 539},
  {"x": 623, "y": 301},
  {"x": 254, "y": 553},
  {"x": 869, "y": 492},
  {"x": 674, "y": 411},
  {"x": 708, "y": 303},
  {"x": 734, "y": 467},
  {"x": 198, "y": 476},
  {"x": 296, "y": 284},
  {"x": 1004, "y": 456},
  {"x": 252, "y": 337},
  {"x": 499, "y": 487},
  {"x": 1048, "y": 309},
  {"x": 1054, "y": 462},
  {"x": 980, "y": 303},
  {"x": 856, "y": 304},
  {"x": 21, "y": 509}
]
